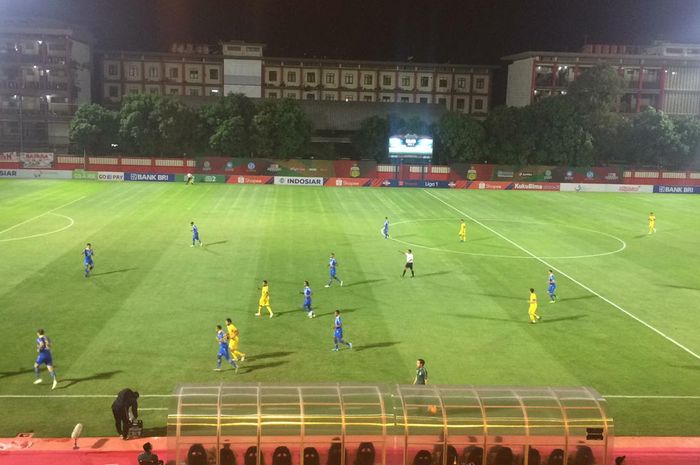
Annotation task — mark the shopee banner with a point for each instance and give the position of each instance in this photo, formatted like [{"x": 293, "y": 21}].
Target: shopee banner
[
  {"x": 488, "y": 185},
  {"x": 348, "y": 182},
  {"x": 240, "y": 179}
]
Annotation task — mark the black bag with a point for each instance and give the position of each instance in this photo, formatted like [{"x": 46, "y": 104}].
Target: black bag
[{"x": 135, "y": 430}]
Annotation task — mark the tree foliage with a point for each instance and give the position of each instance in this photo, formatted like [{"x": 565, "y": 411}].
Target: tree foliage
[
  {"x": 597, "y": 89},
  {"x": 282, "y": 129},
  {"x": 372, "y": 139},
  {"x": 93, "y": 129},
  {"x": 229, "y": 124},
  {"x": 461, "y": 137}
]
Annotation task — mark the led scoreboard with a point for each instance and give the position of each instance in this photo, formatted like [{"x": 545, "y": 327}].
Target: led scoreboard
[{"x": 411, "y": 147}]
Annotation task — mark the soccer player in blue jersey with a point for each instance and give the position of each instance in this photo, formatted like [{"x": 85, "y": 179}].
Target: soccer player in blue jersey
[
  {"x": 43, "y": 346},
  {"x": 195, "y": 234},
  {"x": 89, "y": 264},
  {"x": 338, "y": 332},
  {"x": 224, "y": 352},
  {"x": 332, "y": 265},
  {"x": 307, "y": 299},
  {"x": 385, "y": 229},
  {"x": 551, "y": 290}
]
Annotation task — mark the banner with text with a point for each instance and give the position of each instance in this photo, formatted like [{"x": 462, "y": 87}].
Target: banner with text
[
  {"x": 36, "y": 174},
  {"x": 250, "y": 179},
  {"x": 298, "y": 181},
  {"x": 149, "y": 177},
  {"x": 36, "y": 160},
  {"x": 110, "y": 176},
  {"x": 677, "y": 189}
]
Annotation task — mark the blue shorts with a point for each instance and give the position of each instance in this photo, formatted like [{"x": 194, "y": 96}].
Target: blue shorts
[
  {"x": 195, "y": 237},
  {"x": 44, "y": 358},
  {"x": 307, "y": 303},
  {"x": 338, "y": 334},
  {"x": 88, "y": 261},
  {"x": 224, "y": 352},
  {"x": 552, "y": 288},
  {"x": 332, "y": 271}
]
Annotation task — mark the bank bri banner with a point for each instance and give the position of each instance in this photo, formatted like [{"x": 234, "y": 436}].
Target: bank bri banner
[
  {"x": 676, "y": 189},
  {"x": 149, "y": 177}
]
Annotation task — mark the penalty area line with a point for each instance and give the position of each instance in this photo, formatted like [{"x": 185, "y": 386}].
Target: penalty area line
[
  {"x": 43, "y": 214},
  {"x": 580, "y": 284}
]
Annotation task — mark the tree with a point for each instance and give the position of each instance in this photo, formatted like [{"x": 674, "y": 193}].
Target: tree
[
  {"x": 560, "y": 138},
  {"x": 461, "y": 137},
  {"x": 93, "y": 129},
  {"x": 281, "y": 128},
  {"x": 229, "y": 124},
  {"x": 652, "y": 140},
  {"x": 510, "y": 135},
  {"x": 688, "y": 130},
  {"x": 372, "y": 139},
  {"x": 597, "y": 89},
  {"x": 152, "y": 124}
]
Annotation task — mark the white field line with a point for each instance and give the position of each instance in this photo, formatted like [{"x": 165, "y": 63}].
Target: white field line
[
  {"x": 112, "y": 396},
  {"x": 39, "y": 216},
  {"x": 544, "y": 262},
  {"x": 71, "y": 223}
]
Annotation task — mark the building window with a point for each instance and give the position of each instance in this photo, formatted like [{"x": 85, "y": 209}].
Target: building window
[
  {"x": 311, "y": 78},
  {"x": 442, "y": 83},
  {"x": 174, "y": 91},
  {"x": 291, "y": 76},
  {"x": 404, "y": 99},
  {"x": 310, "y": 97},
  {"x": 349, "y": 98},
  {"x": 442, "y": 101},
  {"x": 424, "y": 81},
  {"x": 194, "y": 74},
  {"x": 460, "y": 104},
  {"x": 213, "y": 74},
  {"x": 152, "y": 72},
  {"x": 479, "y": 83},
  {"x": 292, "y": 96},
  {"x": 174, "y": 73},
  {"x": 112, "y": 70},
  {"x": 368, "y": 79},
  {"x": 405, "y": 81},
  {"x": 133, "y": 91},
  {"x": 272, "y": 95},
  {"x": 423, "y": 100},
  {"x": 272, "y": 76},
  {"x": 330, "y": 97},
  {"x": 478, "y": 104},
  {"x": 367, "y": 98},
  {"x": 132, "y": 71},
  {"x": 349, "y": 79},
  {"x": 386, "y": 98},
  {"x": 193, "y": 92},
  {"x": 386, "y": 80},
  {"x": 214, "y": 92},
  {"x": 113, "y": 91},
  {"x": 330, "y": 79},
  {"x": 153, "y": 90},
  {"x": 461, "y": 83}
]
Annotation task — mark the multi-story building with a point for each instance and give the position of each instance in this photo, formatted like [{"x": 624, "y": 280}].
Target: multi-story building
[
  {"x": 463, "y": 88},
  {"x": 665, "y": 76},
  {"x": 187, "y": 70},
  {"x": 45, "y": 74},
  {"x": 240, "y": 67}
]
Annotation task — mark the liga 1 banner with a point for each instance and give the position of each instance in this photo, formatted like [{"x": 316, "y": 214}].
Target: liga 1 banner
[{"x": 36, "y": 160}]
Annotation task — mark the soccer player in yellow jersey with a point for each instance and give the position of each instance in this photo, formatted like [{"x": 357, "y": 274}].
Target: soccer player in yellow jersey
[
  {"x": 264, "y": 299},
  {"x": 233, "y": 341},
  {"x": 652, "y": 223},
  {"x": 532, "y": 310},
  {"x": 462, "y": 231}
]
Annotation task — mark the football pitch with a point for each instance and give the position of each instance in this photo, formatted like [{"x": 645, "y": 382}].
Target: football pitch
[{"x": 626, "y": 323}]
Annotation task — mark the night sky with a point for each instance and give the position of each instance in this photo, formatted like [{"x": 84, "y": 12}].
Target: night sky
[{"x": 456, "y": 31}]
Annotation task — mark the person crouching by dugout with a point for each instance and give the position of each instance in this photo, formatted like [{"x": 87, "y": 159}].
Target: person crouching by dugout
[
  {"x": 125, "y": 410},
  {"x": 147, "y": 457}
]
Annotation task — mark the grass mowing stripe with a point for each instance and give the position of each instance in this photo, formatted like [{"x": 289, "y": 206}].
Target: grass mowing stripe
[
  {"x": 580, "y": 284},
  {"x": 43, "y": 214}
]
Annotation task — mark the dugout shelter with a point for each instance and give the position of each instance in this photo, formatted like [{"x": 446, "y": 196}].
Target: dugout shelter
[{"x": 366, "y": 424}]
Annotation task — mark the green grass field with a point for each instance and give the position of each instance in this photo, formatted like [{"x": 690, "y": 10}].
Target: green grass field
[{"x": 146, "y": 317}]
